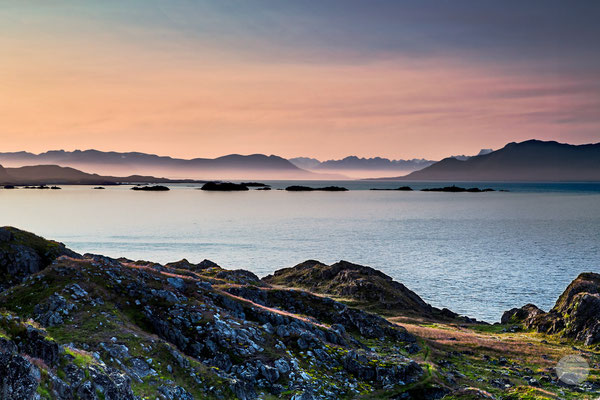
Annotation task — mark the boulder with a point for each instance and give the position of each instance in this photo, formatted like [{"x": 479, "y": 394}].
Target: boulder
[
  {"x": 372, "y": 289},
  {"x": 520, "y": 315},
  {"x": 576, "y": 313},
  {"x": 23, "y": 254},
  {"x": 18, "y": 377}
]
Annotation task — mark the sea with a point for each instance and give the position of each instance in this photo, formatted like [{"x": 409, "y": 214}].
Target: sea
[{"x": 478, "y": 254}]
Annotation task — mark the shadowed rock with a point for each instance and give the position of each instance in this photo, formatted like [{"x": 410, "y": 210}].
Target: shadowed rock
[
  {"x": 370, "y": 288},
  {"x": 211, "y": 332},
  {"x": 519, "y": 315},
  {"x": 23, "y": 253},
  {"x": 576, "y": 313}
]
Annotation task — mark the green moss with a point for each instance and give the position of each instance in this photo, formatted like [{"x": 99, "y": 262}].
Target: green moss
[
  {"x": 43, "y": 392},
  {"x": 80, "y": 358}
]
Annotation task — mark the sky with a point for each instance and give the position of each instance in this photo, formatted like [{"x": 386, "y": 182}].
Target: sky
[{"x": 325, "y": 79}]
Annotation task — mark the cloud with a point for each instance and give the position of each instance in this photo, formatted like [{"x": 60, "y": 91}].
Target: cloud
[{"x": 330, "y": 78}]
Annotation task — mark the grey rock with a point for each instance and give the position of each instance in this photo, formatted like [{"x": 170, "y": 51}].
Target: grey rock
[
  {"x": 141, "y": 368},
  {"x": 282, "y": 366},
  {"x": 175, "y": 393},
  {"x": 18, "y": 377},
  {"x": 271, "y": 374},
  {"x": 177, "y": 283},
  {"x": 77, "y": 291}
]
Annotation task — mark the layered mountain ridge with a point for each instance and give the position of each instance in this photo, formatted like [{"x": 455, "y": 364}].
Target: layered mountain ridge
[
  {"x": 532, "y": 160},
  {"x": 232, "y": 166}
]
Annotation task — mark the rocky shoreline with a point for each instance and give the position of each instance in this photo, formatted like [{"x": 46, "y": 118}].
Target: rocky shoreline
[{"x": 91, "y": 327}]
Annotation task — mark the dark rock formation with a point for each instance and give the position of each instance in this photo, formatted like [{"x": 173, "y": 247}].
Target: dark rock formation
[
  {"x": 224, "y": 187},
  {"x": 30, "y": 357},
  {"x": 299, "y": 188},
  {"x": 156, "y": 188},
  {"x": 240, "y": 276},
  {"x": 520, "y": 315},
  {"x": 576, "y": 313},
  {"x": 18, "y": 377},
  {"x": 456, "y": 189},
  {"x": 185, "y": 331},
  {"x": 23, "y": 254},
  {"x": 401, "y": 188},
  {"x": 372, "y": 289}
]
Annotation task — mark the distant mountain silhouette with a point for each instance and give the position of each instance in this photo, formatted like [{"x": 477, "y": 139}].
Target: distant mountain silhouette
[
  {"x": 361, "y": 167},
  {"x": 481, "y": 153},
  {"x": 376, "y": 163},
  {"x": 227, "y": 167},
  {"x": 4, "y": 176},
  {"x": 305, "y": 162},
  {"x": 54, "y": 174},
  {"x": 532, "y": 160}
]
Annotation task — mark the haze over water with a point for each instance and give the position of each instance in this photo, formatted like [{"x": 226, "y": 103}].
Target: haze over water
[{"x": 478, "y": 254}]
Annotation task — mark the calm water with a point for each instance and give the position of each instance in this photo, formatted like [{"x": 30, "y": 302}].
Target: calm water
[{"x": 475, "y": 253}]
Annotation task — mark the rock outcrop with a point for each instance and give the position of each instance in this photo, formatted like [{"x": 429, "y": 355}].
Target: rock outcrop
[
  {"x": 32, "y": 362},
  {"x": 155, "y": 188},
  {"x": 576, "y": 313},
  {"x": 23, "y": 253},
  {"x": 367, "y": 287},
  {"x": 224, "y": 187},
  {"x": 299, "y": 188},
  {"x": 95, "y": 327},
  {"x": 520, "y": 315}
]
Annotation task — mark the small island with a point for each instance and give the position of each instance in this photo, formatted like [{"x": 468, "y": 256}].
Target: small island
[
  {"x": 255, "y": 184},
  {"x": 457, "y": 189},
  {"x": 157, "y": 188},
  {"x": 224, "y": 187},
  {"x": 401, "y": 188},
  {"x": 299, "y": 188},
  {"x": 37, "y": 187}
]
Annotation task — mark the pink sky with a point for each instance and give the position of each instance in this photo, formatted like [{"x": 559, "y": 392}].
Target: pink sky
[{"x": 193, "y": 98}]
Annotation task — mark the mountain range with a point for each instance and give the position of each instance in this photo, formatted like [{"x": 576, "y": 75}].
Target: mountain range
[
  {"x": 361, "y": 167},
  {"x": 233, "y": 166},
  {"x": 532, "y": 160},
  {"x": 57, "y": 175}
]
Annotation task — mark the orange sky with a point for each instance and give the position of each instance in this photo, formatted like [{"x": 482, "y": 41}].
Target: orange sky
[{"x": 164, "y": 93}]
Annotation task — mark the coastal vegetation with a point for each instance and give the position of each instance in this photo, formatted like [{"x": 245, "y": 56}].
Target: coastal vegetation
[{"x": 93, "y": 327}]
